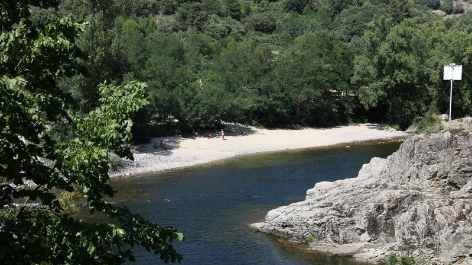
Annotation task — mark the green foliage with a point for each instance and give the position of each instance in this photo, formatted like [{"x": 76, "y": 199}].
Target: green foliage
[
  {"x": 202, "y": 104},
  {"x": 31, "y": 105},
  {"x": 296, "y": 5},
  {"x": 115, "y": 162},
  {"x": 191, "y": 16},
  {"x": 130, "y": 39},
  {"x": 164, "y": 70},
  {"x": 397, "y": 70},
  {"x": 313, "y": 73},
  {"x": 258, "y": 61},
  {"x": 241, "y": 74},
  {"x": 217, "y": 27},
  {"x": 447, "y": 7},
  {"x": 401, "y": 9},
  {"x": 296, "y": 26},
  {"x": 433, "y": 4},
  {"x": 393, "y": 259},
  {"x": 430, "y": 123},
  {"x": 232, "y": 8},
  {"x": 352, "y": 22},
  {"x": 212, "y": 7},
  {"x": 69, "y": 201},
  {"x": 399, "y": 73},
  {"x": 264, "y": 22},
  {"x": 334, "y": 7},
  {"x": 458, "y": 8}
]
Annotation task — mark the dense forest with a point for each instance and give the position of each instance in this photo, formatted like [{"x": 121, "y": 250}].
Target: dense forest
[{"x": 273, "y": 63}]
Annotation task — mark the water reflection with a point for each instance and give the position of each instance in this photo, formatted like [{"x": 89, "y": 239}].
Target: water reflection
[{"x": 213, "y": 205}]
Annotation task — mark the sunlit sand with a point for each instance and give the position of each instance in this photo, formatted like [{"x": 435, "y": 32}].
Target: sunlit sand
[{"x": 241, "y": 140}]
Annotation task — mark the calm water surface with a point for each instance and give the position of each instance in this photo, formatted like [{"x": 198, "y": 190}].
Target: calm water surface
[{"x": 213, "y": 205}]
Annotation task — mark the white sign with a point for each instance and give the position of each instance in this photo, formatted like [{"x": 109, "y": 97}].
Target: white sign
[{"x": 452, "y": 72}]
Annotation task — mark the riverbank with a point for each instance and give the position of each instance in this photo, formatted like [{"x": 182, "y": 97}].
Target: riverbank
[{"x": 242, "y": 140}]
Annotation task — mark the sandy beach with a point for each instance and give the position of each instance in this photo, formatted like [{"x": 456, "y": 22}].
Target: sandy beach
[{"x": 242, "y": 140}]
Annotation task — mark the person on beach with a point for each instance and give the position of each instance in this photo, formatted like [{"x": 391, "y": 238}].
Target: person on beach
[
  {"x": 163, "y": 145},
  {"x": 222, "y": 134}
]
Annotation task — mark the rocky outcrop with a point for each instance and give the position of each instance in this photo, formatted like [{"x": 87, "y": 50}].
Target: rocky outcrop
[{"x": 418, "y": 202}]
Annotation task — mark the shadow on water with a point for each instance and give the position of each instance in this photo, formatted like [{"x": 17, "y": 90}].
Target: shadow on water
[
  {"x": 213, "y": 205},
  {"x": 298, "y": 252}
]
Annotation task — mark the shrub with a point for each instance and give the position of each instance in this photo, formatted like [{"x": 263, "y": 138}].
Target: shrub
[
  {"x": 433, "y": 4},
  {"x": 264, "y": 23},
  {"x": 447, "y": 8},
  {"x": 115, "y": 162},
  {"x": 430, "y": 123},
  {"x": 393, "y": 259},
  {"x": 458, "y": 9}
]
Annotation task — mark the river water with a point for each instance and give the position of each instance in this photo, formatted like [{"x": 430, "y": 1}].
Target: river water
[{"x": 213, "y": 205}]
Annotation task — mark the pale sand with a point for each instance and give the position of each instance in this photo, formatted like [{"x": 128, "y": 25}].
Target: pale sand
[{"x": 185, "y": 152}]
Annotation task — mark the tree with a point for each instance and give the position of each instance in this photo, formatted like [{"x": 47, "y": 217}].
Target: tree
[
  {"x": 333, "y": 8},
  {"x": 212, "y": 7},
  {"x": 233, "y": 9},
  {"x": 400, "y": 9},
  {"x": 33, "y": 165},
  {"x": 353, "y": 20},
  {"x": 242, "y": 73},
  {"x": 191, "y": 15},
  {"x": 203, "y": 104},
  {"x": 104, "y": 57},
  {"x": 298, "y": 25},
  {"x": 216, "y": 27},
  {"x": 447, "y": 7},
  {"x": 398, "y": 74},
  {"x": 263, "y": 22},
  {"x": 433, "y": 4},
  {"x": 131, "y": 42},
  {"x": 312, "y": 73},
  {"x": 165, "y": 70},
  {"x": 296, "y": 5},
  {"x": 458, "y": 8}
]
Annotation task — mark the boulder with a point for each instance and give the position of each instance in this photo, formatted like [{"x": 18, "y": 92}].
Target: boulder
[{"x": 418, "y": 202}]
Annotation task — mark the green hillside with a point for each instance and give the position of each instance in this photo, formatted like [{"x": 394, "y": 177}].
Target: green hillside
[{"x": 273, "y": 63}]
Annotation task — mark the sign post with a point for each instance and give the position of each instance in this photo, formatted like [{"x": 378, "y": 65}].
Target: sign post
[{"x": 452, "y": 72}]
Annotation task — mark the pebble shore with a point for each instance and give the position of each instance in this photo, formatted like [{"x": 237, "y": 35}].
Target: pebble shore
[{"x": 242, "y": 140}]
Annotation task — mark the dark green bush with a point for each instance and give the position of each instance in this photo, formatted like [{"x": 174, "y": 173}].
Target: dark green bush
[{"x": 447, "y": 7}]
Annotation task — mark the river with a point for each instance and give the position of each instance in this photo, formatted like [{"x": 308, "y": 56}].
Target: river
[{"x": 214, "y": 204}]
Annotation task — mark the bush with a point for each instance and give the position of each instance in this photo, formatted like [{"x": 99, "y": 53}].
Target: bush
[
  {"x": 115, "y": 162},
  {"x": 70, "y": 201},
  {"x": 458, "y": 9},
  {"x": 433, "y": 4},
  {"x": 430, "y": 123},
  {"x": 264, "y": 23},
  {"x": 296, "y": 5},
  {"x": 447, "y": 8},
  {"x": 393, "y": 259}
]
